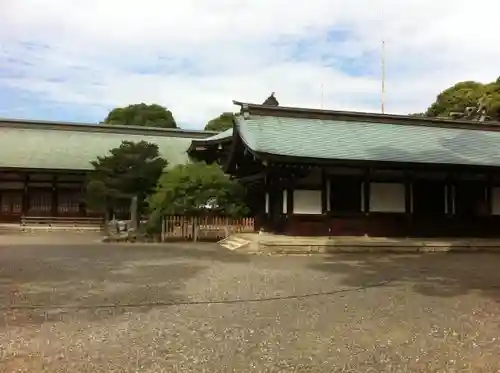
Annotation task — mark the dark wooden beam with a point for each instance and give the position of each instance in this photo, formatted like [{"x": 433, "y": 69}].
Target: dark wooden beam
[
  {"x": 373, "y": 164},
  {"x": 251, "y": 178}
]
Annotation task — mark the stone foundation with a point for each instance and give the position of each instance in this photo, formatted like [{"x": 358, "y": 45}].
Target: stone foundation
[{"x": 275, "y": 244}]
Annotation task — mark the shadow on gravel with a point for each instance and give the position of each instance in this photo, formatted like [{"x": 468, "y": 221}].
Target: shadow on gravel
[
  {"x": 437, "y": 275},
  {"x": 201, "y": 251},
  {"x": 97, "y": 276}
]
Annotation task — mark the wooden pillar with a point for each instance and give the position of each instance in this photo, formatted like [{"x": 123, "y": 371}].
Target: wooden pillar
[
  {"x": 408, "y": 204},
  {"x": 324, "y": 192},
  {"x": 55, "y": 202},
  {"x": 366, "y": 193},
  {"x": 450, "y": 197},
  {"x": 273, "y": 215},
  {"x": 365, "y": 203},
  {"x": 289, "y": 201},
  {"x": 489, "y": 195},
  {"x": 276, "y": 205},
  {"x": 82, "y": 206},
  {"x": 328, "y": 193},
  {"x": 450, "y": 224},
  {"x": 408, "y": 194},
  {"x": 453, "y": 197},
  {"x": 287, "y": 206},
  {"x": 447, "y": 191},
  {"x": 267, "y": 184},
  {"x": 25, "y": 201}
]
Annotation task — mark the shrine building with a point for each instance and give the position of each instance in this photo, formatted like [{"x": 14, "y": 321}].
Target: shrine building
[
  {"x": 325, "y": 172},
  {"x": 44, "y": 165}
]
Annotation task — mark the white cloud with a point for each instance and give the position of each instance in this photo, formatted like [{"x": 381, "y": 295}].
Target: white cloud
[{"x": 201, "y": 54}]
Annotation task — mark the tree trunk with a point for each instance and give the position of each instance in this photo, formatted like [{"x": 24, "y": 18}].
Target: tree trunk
[
  {"x": 106, "y": 221},
  {"x": 135, "y": 212}
]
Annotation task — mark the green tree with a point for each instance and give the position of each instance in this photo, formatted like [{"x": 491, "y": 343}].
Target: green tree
[
  {"x": 142, "y": 115},
  {"x": 220, "y": 123},
  {"x": 467, "y": 94},
  {"x": 132, "y": 169},
  {"x": 194, "y": 189}
]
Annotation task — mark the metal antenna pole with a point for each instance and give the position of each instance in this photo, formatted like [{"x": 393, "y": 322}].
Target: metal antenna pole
[{"x": 383, "y": 77}]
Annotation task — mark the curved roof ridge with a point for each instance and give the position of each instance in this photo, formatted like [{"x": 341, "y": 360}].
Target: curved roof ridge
[
  {"x": 398, "y": 119},
  {"x": 106, "y": 128}
]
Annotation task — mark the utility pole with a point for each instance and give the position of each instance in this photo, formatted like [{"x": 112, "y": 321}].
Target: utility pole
[{"x": 383, "y": 77}]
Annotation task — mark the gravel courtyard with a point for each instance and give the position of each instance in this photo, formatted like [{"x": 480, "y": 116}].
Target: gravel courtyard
[{"x": 357, "y": 313}]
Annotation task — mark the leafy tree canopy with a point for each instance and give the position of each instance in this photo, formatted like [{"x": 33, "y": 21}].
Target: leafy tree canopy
[
  {"x": 132, "y": 169},
  {"x": 220, "y": 123},
  {"x": 142, "y": 115},
  {"x": 467, "y": 94},
  {"x": 198, "y": 188}
]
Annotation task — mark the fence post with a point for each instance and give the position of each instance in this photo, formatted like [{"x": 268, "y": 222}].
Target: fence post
[
  {"x": 163, "y": 228},
  {"x": 195, "y": 229}
]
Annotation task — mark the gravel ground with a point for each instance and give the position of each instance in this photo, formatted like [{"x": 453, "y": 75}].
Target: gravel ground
[{"x": 431, "y": 313}]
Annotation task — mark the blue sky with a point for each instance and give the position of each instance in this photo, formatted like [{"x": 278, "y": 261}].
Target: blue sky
[{"x": 73, "y": 60}]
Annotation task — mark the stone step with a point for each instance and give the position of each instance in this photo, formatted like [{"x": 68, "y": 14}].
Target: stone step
[
  {"x": 233, "y": 243},
  {"x": 269, "y": 243},
  {"x": 376, "y": 243},
  {"x": 269, "y": 239}
]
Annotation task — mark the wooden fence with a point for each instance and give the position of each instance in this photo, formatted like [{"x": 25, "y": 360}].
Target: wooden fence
[{"x": 204, "y": 228}]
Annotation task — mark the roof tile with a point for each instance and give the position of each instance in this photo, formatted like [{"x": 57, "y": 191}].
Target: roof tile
[
  {"x": 73, "y": 150},
  {"x": 368, "y": 141}
]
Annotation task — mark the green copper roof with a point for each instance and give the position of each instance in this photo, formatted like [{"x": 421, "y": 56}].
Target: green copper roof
[
  {"x": 220, "y": 136},
  {"x": 73, "y": 149},
  {"x": 369, "y": 141}
]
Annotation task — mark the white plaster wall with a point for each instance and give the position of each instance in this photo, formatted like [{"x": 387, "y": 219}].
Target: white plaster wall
[
  {"x": 387, "y": 197},
  {"x": 307, "y": 202}
]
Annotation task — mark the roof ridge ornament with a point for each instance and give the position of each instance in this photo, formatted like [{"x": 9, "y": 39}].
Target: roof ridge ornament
[{"x": 271, "y": 101}]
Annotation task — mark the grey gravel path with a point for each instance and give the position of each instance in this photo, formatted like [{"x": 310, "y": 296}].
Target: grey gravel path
[{"x": 437, "y": 313}]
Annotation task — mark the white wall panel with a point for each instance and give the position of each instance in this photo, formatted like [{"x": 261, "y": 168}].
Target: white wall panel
[
  {"x": 387, "y": 197},
  {"x": 307, "y": 202}
]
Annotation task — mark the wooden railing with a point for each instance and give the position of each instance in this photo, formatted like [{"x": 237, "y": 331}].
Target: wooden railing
[
  {"x": 204, "y": 228},
  {"x": 60, "y": 221}
]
